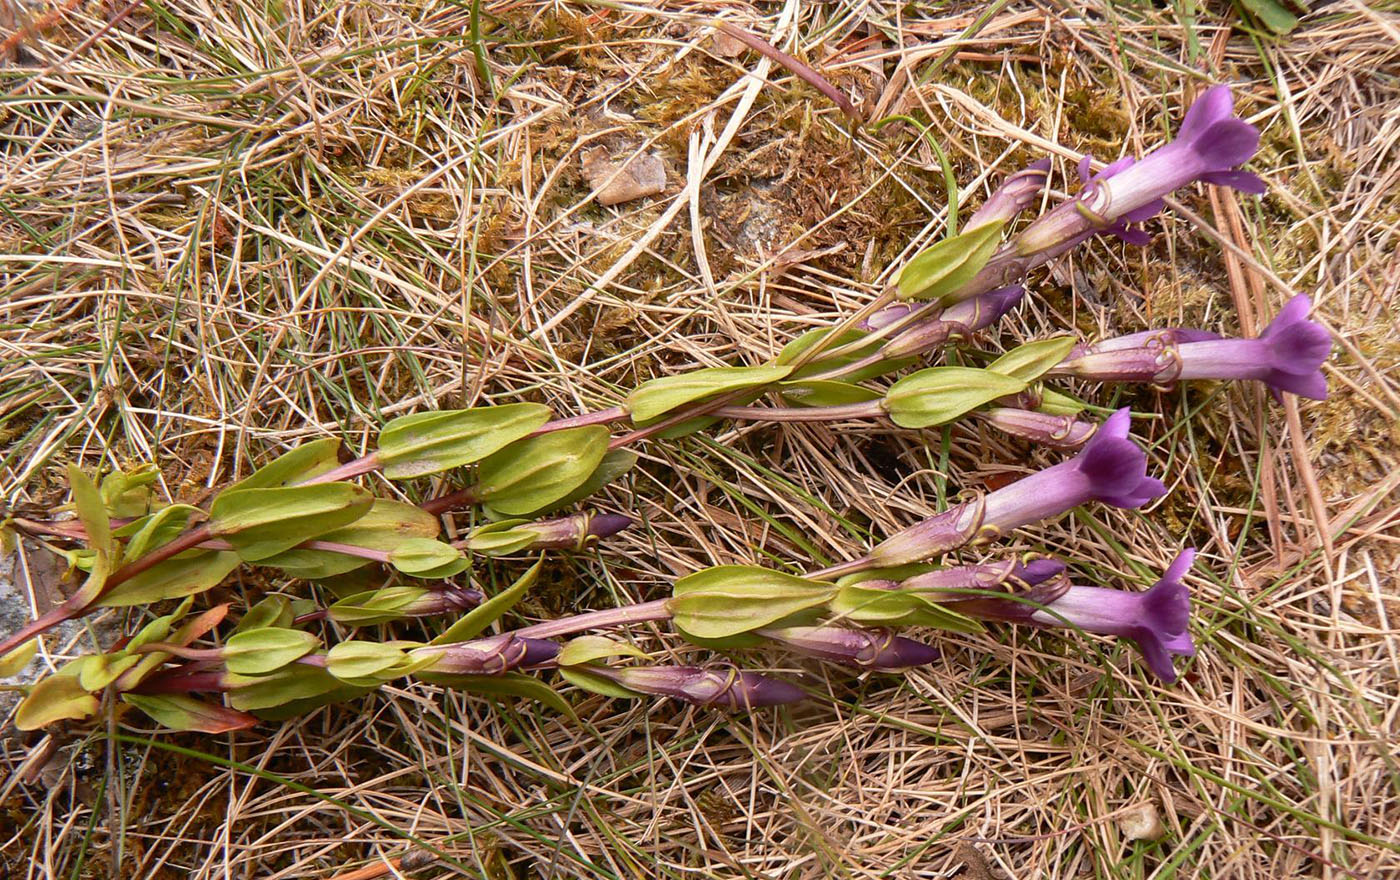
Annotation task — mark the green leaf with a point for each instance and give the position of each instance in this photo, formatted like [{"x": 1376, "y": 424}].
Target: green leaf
[
  {"x": 511, "y": 684},
  {"x": 950, "y": 264},
  {"x": 92, "y": 513},
  {"x": 297, "y": 465},
  {"x": 261, "y": 523},
  {"x": 872, "y": 605},
  {"x": 431, "y": 442},
  {"x": 14, "y": 662},
  {"x": 475, "y": 622},
  {"x": 181, "y": 712},
  {"x": 802, "y": 343},
  {"x": 730, "y": 599},
  {"x": 260, "y": 651},
  {"x": 586, "y": 649},
  {"x": 384, "y": 527},
  {"x": 1057, "y": 404},
  {"x": 184, "y": 575},
  {"x": 99, "y": 670},
  {"x": 940, "y": 395},
  {"x": 541, "y": 470},
  {"x": 56, "y": 698},
  {"x": 826, "y": 392},
  {"x": 1273, "y": 15},
  {"x": 161, "y": 527},
  {"x": 296, "y": 682},
  {"x": 502, "y": 538},
  {"x": 659, "y": 396},
  {"x": 417, "y": 555},
  {"x": 615, "y": 463},
  {"x": 1030, "y": 361},
  {"x": 375, "y": 606},
  {"x": 271, "y": 611},
  {"x": 580, "y": 677},
  {"x": 128, "y": 494}
]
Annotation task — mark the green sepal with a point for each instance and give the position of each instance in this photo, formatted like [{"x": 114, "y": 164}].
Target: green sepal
[
  {"x": 1056, "y": 404},
  {"x": 950, "y": 264},
  {"x": 375, "y": 606},
  {"x": 502, "y": 538},
  {"x": 580, "y": 677},
  {"x": 432, "y": 442},
  {"x": 940, "y": 395},
  {"x": 587, "y": 649},
  {"x": 1031, "y": 361}
]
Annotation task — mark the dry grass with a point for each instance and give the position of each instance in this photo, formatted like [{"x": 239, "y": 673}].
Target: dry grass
[{"x": 228, "y": 227}]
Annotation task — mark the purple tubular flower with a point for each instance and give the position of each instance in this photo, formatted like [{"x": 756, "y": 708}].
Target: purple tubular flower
[
  {"x": 489, "y": 656},
  {"x": 1013, "y": 196},
  {"x": 575, "y": 532},
  {"x": 1155, "y": 620},
  {"x": 1209, "y": 146},
  {"x": 725, "y": 688},
  {"x": 1111, "y": 468},
  {"x": 1058, "y": 432},
  {"x": 960, "y": 319},
  {"x": 876, "y": 649},
  {"x": 1287, "y": 356}
]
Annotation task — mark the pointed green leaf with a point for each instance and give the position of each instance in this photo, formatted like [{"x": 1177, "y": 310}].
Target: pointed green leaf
[
  {"x": 659, "y": 396},
  {"x": 359, "y": 659},
  {"x": 92, "y": 513},
  {"x": 128, "y": 494},
  {"x": 271, "y": 611},
  {"x": 182, "y": 712},
  {"x": 56, "y": 698},
  {"x": 431, "y": 442},
  {"x": 1030, "y": 361},
  {"x": 580, "y": 677},
  {"x": 375, "y": 606},
  {"x": 1057, "y": 404},
  {"x": 587, "y": 649},
  {"x": 493, "y": 687},
  {"x": 184, "y": 575},
  {"x": 731, "y": 599},
  {"x": 541, "y": 470},
  {"x": 261, "y": 523},
  {"x": 951, "y": 263},
  {"x": 502, "y": 538},
  {"x": 297, "y": 465},
  {"x": 101, "y": 670},
  {"x": 940, "y": 395},
  {"x": 260, "y": 651},
  {"x": 475, "y": 622}
]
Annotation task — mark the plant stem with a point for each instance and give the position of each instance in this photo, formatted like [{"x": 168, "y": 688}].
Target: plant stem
[{"x": 658, "y": 609}]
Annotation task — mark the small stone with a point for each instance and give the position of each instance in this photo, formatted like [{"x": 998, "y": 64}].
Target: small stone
[
  {"x": 644, "y": 175},
  {"x": 1141, "y": 823}
]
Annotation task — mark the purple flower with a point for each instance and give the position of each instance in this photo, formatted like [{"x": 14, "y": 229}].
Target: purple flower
[
  {"x": 1210, "y": 145},
  {"x": 1013, "y": 196},
  {"x": 1058, "y": 432},
  {"x": 1110, "y": 468},
  {"x": 1156, "y": 620},
  {"x": 727, "y": 688},
  {"x": 876, "y": 649},
  {"x": 1287, "y": 356},
  {"x": 489, "y": 656}
]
